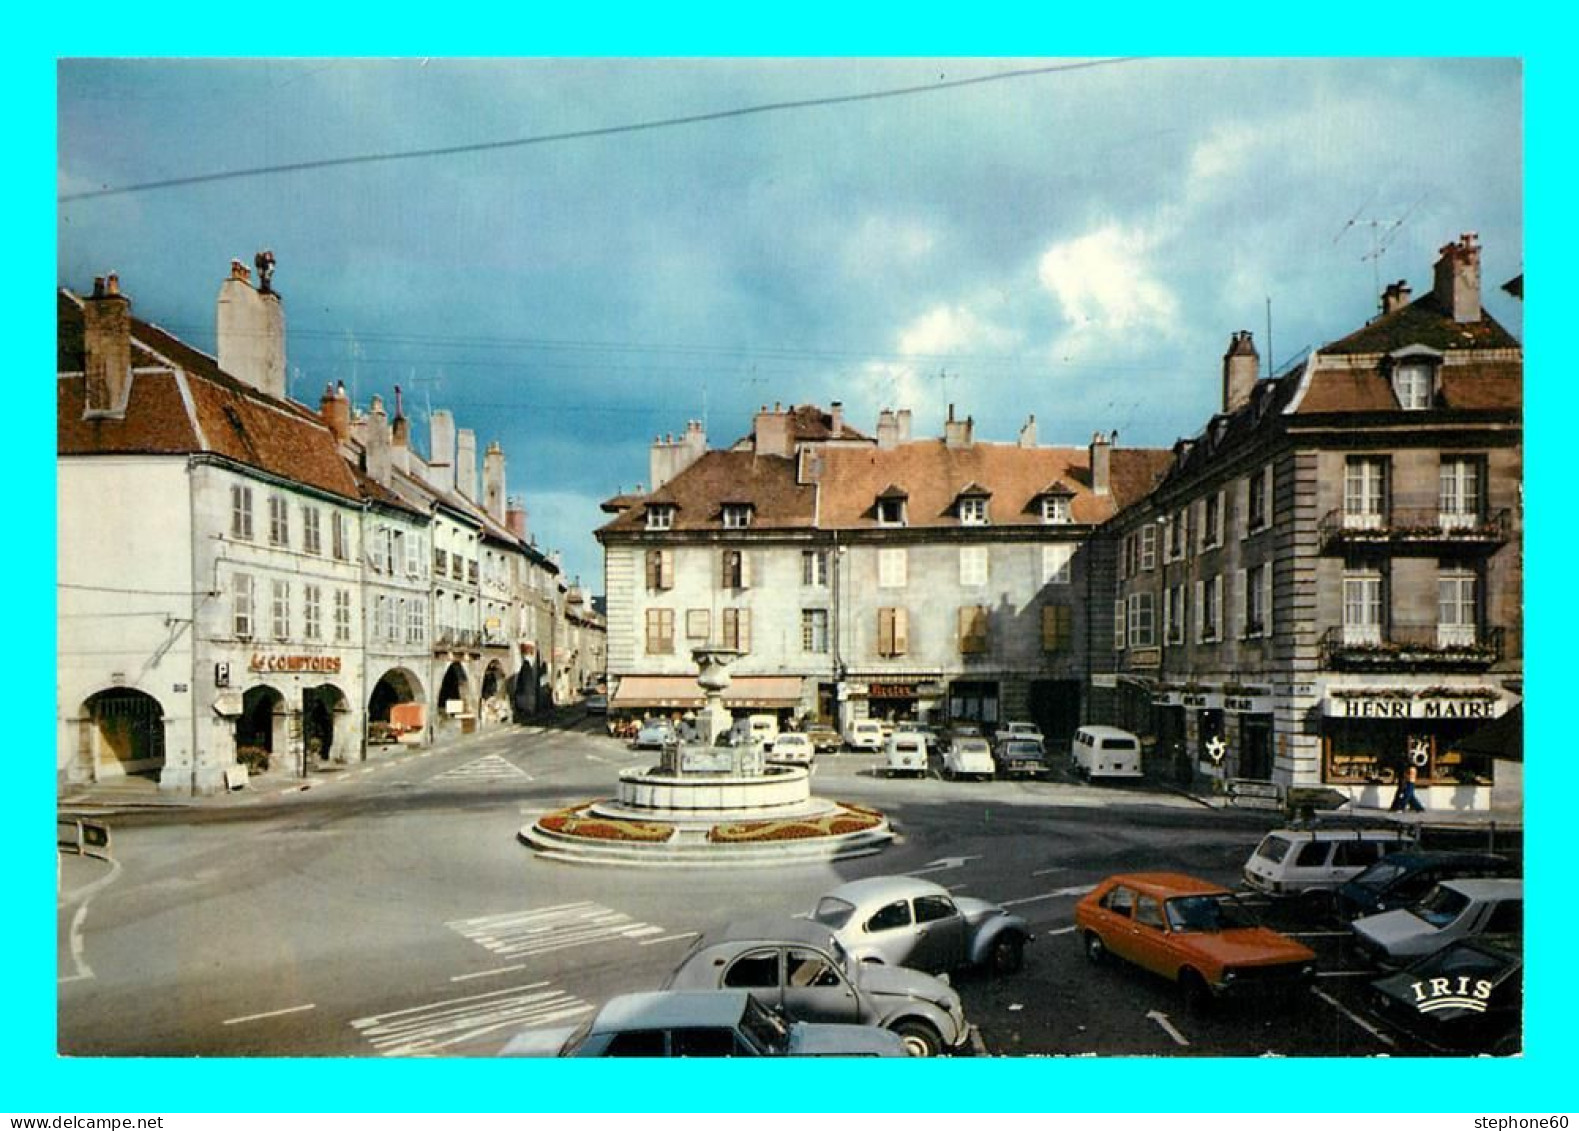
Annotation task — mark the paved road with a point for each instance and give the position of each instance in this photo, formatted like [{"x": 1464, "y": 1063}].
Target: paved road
[{"x": 392, "y": 912}]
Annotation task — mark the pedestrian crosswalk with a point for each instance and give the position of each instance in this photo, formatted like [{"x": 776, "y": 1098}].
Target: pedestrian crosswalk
[
  {"x": 489, "y": 768},
  {"x": 519, "y": 934},
  {"x": 431, "y": 1030}
]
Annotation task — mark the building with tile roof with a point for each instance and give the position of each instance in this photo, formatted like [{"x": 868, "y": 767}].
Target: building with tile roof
[{"x": 1326, "y": 586}]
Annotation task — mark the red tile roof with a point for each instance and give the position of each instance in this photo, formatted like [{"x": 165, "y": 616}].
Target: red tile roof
[{"x": 766, "y": 482}]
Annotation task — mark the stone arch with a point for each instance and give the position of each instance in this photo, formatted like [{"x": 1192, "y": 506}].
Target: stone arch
[
  {"x": 454, "y": 687},
  {"x": 326, "y": 725},
  {"x": 122, "y": 734},
  {"x": 396, "y": 707},
  {"x": 493, "y": 705},
  {"x": 262, "y": 728}
]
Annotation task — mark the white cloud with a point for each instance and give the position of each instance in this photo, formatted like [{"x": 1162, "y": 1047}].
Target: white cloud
[
  {"x": 1105, "y": 287},
  {"x": 949, "y": 329}
]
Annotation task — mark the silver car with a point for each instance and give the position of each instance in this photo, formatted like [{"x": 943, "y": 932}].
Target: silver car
[
  {"x": 904, "y": 921},
  {"x": 797, "y": 967}
]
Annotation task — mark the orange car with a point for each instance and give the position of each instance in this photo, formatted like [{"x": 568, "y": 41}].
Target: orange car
[{"x": 1191, "y": 932}]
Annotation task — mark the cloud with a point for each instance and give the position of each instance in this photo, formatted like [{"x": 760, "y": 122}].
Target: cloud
[{"x": 1107, "y": 290}]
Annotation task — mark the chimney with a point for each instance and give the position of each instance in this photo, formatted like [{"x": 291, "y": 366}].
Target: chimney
[
  {"x": 252, "y": 329},
  {"x": 1028, "y": 432},
  {"x": 668, "y": 456},
  {"x": 887, "y": 429},
  {"x": 1101, "y": 462},
  {"x": 904, "y": 425},
  {"x": 441, "y": 450},
  {"x": 493, "y": 498},
  {"x": 1240, "y": 367},
  {"x": 1395, "y": 297},
  {"x": 466, "y": 463},
  {"x": 400, "y": 435},
  {"x": 107, "y": 349},
  {"x": 335, "y": 408},
  {"x": 836, "y": 419},
  {"x": 1457, "y": 286},
  {"x": 772, "y": 430},
  {"x": 957, "y": 433},
  {"x": 515, "y": 518},
  {"x": 377, "y": 443}
]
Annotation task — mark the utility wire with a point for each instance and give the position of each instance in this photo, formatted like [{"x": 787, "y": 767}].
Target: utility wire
[{"x": 601, "y": 131}]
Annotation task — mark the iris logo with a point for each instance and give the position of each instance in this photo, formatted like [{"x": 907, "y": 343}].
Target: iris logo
[{"x": 1462, "y": 992}]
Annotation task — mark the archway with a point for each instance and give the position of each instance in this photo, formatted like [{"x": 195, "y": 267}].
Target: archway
[
  {"x": 260, "y": 728},
  {"x": 326, "y": 718},
  {"x": 124, "y": 734},
  {"x": 494, "y": 704},
  {"x": 396, "y": 710},
  {"x": 454, "y": 702}
]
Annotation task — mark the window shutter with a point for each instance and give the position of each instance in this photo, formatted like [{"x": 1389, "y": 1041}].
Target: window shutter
[
  {"x": 1200, "y": 611},
  {"x": 1242, "y": 608},
  {"x": 666, "y": 569},
  {"x": 1120, "y": 617},
  {"x": 652, "y": 569},
  {"x": 745, "y": 570},
  {"x": 1266, "y": 600},
  {"x": 1167, "y": 614},
  {"x": 901, "y": 631}
]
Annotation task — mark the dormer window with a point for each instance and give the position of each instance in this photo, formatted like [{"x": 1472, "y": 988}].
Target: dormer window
[
  {"x": 737, "y": 516},
  {"x": 1055, "y": 500},
  {"x": 891, "y": 506},
  {"x": 1414, "y": 372},
  {"x": 971, "y": 507},
  {"x": 660, "y": 517}
]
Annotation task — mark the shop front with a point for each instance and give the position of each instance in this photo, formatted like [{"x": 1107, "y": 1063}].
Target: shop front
[{"x": 974, "y": 701}]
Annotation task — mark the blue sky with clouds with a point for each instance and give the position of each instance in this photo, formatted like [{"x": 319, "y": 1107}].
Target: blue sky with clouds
[{"x": 1073, "y": 241}]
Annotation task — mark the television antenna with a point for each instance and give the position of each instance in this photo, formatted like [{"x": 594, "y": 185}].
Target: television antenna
[{"x": 1383, "y": 233}]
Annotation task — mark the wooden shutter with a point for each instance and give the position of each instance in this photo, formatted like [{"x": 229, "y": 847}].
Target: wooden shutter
[{"x": 1055, "y": 628}]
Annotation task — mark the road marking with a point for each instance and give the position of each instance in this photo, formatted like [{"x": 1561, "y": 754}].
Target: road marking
[
  {"x": 271, "y": 1013},
  {"x": 1060, "y": 931},
  {"x": 1049, "y": 871},
  {"x": 1167, "y": 1027},
  {"x": 492, "y": 767},
  {"x": 670, "y": 938},
  {"x": 942, "y": 865},
  {"x": 488, "y": 973},
  {"x": 519, "y": 934},
  {"x": 1061, "y": 893},
  {"x": 78, "y": 945},
  {"x": 1360, "y": 1021},
  {"x": 427, "y": 1029}
]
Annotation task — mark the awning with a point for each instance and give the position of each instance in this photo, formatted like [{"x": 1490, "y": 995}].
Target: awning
[
  {"x": 1503, "y": 738},
  {"x": 644, "y": 692}
]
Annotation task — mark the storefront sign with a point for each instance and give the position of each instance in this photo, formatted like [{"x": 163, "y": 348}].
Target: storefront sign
[
  {"x": 1195, "y": 700},
  {"x": 1108, "y": 681},
  {"x": 1392, "y": 707},
  {"x": 264, "y": 663},
  {"x": 1247, "y": 704},
  {"x": 892, "y": 691},
  {"x": 1146, "y": 658}
]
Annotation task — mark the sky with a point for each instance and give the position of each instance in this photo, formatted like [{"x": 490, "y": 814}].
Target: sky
[{"x": 576, "y": 255}]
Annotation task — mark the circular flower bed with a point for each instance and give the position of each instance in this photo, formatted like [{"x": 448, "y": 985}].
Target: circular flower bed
[
  {"x": 570, "y": 822},
  {"x": 853, "y": 819}
]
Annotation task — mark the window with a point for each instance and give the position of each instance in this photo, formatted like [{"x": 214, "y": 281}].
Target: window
[
  {"x": 1413, "y": 383},
  {"x": 889, "y": 918},
  {"x": 279, "y": 521},
  {"x": 973, "y": 565},
  {"x": 891, "y": 568},
  {"x": 1148, "y": 911},
  {"x": 1056, "y": 561},
  {"x": 381, "y": 617},
  {"x": 973, "y": 629},
  {"x": 342, "y": 538},
  {"x": 342, "y": 615},
  {"x": 893, "y": 632},
  {"x": 1142, "y": 622},
  {"x": 241, "y": 512},
  {"x": 1148, "y": 547},
  {"x": 417, "y": 621},
  {"x": 660, "y": 569},
  {"x": 280, "y": 609},
  {"x": 660, "y": 517},
  {"x": 1212, "y": 520},
  {"x": 973, "y": 510},
  {"x": 1209, "y": 602},
  {"x": 1178, "y": 535},
  {"x": 758, "y": 970},
  {"x": 414, "y": 555},
  {"x": 312, "y": 612},
  {"x": 660, "y": 632},
  {"x": 934, "y": 908},
  {"x": 891, "y": 510},
  {"x": 1055, "y": 509},
  {"x": 698, "y": 624},
  {"x": 1364, "y": 492},
  {"x": 737, "y": 516},
  {"x": 737, "y": 570},
  {"x": 1056, "y": 628},
  {"x": 814, "y": 630},
  {"x": 397, "y": 550},
  {"x": 1459, "y": 499},
  {"x": 1258, "y": 491},
  {"x": 1362, "y": 608},
  {"x": 441, "y": 563},
  {"x": 1173, "y": 613},
  {"x": 312, "y": 530},
  {"x": 1457, "y": 608},
  {"x": 736, "y": 627},
  {"x": 241, "y": 605},
  {"x": 814, "y": 568},
  {"x": 1258, "y": 591},
  {"x": 1120, "y": 624},
  {"x": 1120, "y": 901}
]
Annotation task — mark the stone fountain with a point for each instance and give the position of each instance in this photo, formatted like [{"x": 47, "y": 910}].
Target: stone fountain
[{"x": 706, "y": 803}]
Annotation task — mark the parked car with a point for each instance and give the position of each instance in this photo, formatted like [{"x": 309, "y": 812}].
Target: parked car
[
  {"x": 1467, "y": 997},
  {"x": 596, "y": 704},
  {"x": 1191, "y": 932},
  {"x": 763, "y": 729},
  {"x": 905, "y": 921},
  {"x": 905, "y": 753},
  {"x": 1028, "y": 731},
  {"x": 654, "y": 734},
  {"x": 968, "y": 758},
  {"x": 1105, "y": 752},
  {"x": 798, "y": 967},
  {"x": 712, "y": 1023},
  {"x": 793, "y": 748},
  {"x": 824, "y": 739},
  {"x": 864, "y": 734},
  {"x": 1453, "y": 910},
  {"x": 1314, "y": 862},
  {"x": 1020, "y": 757},
  {"x": 928, "y": 732},
  {"x": 1403, "y": 877}
]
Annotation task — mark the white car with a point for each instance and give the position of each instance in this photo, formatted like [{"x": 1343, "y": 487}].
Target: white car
[
  {"x": 1453, "y": 910},
  {"x": 1026, "y": 731},
  {"x": 864, "y": 734},
  {"x": 906, "y": 753},
  {"x": 968, "y": 757},
  {"x": 794, "y": 748}
]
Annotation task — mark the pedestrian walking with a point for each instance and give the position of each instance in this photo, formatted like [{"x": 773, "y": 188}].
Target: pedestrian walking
[{"x": 1405, "y": 797}]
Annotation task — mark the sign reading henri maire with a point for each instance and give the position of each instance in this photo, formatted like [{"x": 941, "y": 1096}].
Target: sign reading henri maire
[
  {"x": 266, "y": 663},
  {"x": 1390, "y": 707}
]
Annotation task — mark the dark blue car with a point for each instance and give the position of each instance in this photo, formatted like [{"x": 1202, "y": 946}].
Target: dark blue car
[{"x": 1402, "y": 878}]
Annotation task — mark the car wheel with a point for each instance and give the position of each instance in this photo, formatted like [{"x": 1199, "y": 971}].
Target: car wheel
[
  {"x": 1197, "y": 997},
  {"x": 1096, "y": 950},
  {"x": 1008, "y": 954},
  {"x": 920, "y": 1038}
]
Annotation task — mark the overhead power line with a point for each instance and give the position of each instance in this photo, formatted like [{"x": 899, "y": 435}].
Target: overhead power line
[{"x": 601, "y": 131}]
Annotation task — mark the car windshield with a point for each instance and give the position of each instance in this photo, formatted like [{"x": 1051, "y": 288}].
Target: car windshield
[
  {"x": 764, "y": 1029},
  {"x": 1021, "y": 748},
  {"x": 1440, "y": 906},
  {"x": 833, "y": 912},
  {"x": 1274, "y": 848},
  {"x": 972, "y": 745},
  {"x": 573, "y": 1042},
  {"x": 1380, "y": 874},
  {"x": 1206, "y": 913}
]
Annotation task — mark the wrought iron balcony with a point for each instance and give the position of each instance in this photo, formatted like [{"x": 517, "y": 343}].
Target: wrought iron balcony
[
  {"x": 1414, "y": 646},
  {"x": 1424, "y": 528}
]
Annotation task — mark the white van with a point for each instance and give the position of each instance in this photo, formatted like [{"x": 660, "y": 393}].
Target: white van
[
  {"x": 906, "y": 753},
  {"x": 1314, "y": 862},
  {"x": 1105, "y": 752},
  {"x": 864, "y": 734},
  {"x": 763, "y": 729}
]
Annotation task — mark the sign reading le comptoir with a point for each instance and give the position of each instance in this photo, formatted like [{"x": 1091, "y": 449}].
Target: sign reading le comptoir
[{"x": 261, "y": 662}]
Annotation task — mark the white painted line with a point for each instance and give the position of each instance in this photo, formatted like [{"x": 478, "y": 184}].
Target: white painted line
[
  {"x": 670, "y": 938},
  {"x": 1049, "y": 871},
  {"x": 1167, "y": 1027},
  {"x": 1361, "y": 1022},
  {"x": 1060, "y": 931},
  {"x": 366, "y": 1021},
  {"x": 487, "y": 973},
  {"x": 1061, "y": 893},
  {"x": 642, "y": 932},
  {"x": 271, "y": 1013}
]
